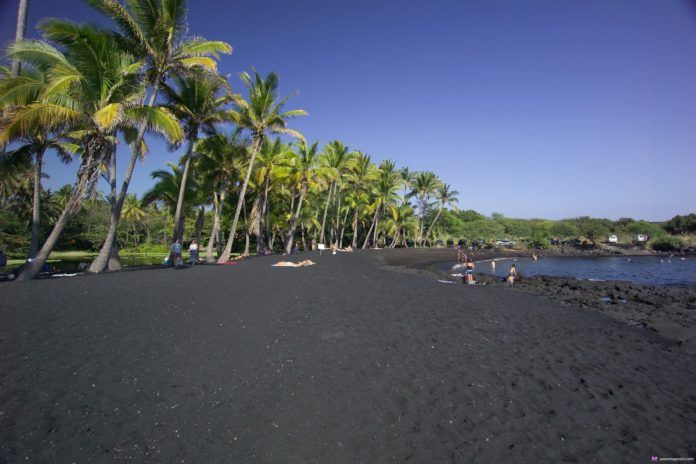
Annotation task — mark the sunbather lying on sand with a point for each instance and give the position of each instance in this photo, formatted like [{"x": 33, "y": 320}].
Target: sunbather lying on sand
[
  {"x": 347, "y": 249},
  {"x": 306, "y": 262}
]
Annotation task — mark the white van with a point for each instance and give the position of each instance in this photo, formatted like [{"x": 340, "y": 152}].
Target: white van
[
  {"x": 641, "y": 238},
  {"x": 613, "y": 239}
]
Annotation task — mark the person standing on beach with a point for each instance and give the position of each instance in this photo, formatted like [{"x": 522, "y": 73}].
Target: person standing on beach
[
  {"x": 176, "y": 253},
  {"x": 469, "y": 273},
  {"x": 512, "y": 275},
  {"x": 193, "y": 251}
]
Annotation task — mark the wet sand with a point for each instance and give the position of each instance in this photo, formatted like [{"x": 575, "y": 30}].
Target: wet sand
[{"x": 344, "y": 361}]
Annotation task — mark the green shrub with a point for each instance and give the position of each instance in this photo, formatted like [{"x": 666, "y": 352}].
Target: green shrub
[
  {"x": 541, "y": 243},
  {"x": 147, "y": 248},
  {"x": 666, "y": 243}
]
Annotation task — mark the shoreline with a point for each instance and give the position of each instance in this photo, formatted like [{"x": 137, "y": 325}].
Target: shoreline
[{"x": 667, "y": 310}]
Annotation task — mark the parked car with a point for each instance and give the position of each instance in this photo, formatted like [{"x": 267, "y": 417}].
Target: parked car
[
  {"x": 613, "y": 239},
  {"x": 641, "y": 238},
  {"x": 505, "y": 243}
]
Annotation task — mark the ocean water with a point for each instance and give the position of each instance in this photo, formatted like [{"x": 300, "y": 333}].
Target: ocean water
[{"x": 639, "y": 269}]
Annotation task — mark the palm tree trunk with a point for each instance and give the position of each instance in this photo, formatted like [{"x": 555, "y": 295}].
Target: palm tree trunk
[
  {"x": 355, "y": 229},
  {"x": 293, "y": 220},
  {"x": 114, "y": 263},
  {"x": 304, "y": 240},
  {"x": 343, "y": 229},
  {"x": 228, "y": 247},
  {"x": 419, "y": 242},
  {"x": 430, "y": 229},
  {"x": 334, "y": 229},
  {"x": 396, "y": 237},
  {"x": 338, "y": 210},
  {"x": 200, "y": 220},
  {"x": 87, "y": 174},
  {"x": 21, "y": 29},
  {"x": 36, "y": 207},
  {"x": 372, "y": 227},
  {"x": 326, "y": 210},
  {"x": 246, "y": 243},
  {"x": 216, "y": 228},
  {"x": 245, "y": 253},
  {"x": 375, "y": 241},
  {"x": 267, "y": 223},
  {"x": 260, "y": 237},
  {"x": 32, "y": 268},
  {"x": 182, "y": 190},
  {"x": 218, "y": 236},
  {"x": 100, "y": 262}
]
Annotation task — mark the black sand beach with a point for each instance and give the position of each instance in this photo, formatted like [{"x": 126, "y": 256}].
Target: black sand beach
[{"x": 339, "y": 362}]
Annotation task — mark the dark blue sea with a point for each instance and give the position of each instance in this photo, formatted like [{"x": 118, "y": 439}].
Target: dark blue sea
[{"x": 639, "y": 269}]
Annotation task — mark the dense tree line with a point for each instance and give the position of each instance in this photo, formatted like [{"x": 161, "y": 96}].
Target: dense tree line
[{"x": 247, "y": 182}]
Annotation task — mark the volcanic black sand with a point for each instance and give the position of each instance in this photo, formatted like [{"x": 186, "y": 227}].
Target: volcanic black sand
[{"x": 339, "y": 362}]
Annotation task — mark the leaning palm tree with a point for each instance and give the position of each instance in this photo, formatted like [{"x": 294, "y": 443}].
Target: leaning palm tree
[
  {"x": 154, "y": 31},
  {"x": 94, "y": 89},
  {"x": 444, "y": 195},
  {"x": 20, "y": 89},
  {"x": 304, "y": 177},
  {"x": 196, "y": 99},
  {"x": 260, "y": 113}
]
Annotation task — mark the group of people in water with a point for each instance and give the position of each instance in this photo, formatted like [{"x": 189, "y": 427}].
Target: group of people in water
[{"x": 468, "y": 278}]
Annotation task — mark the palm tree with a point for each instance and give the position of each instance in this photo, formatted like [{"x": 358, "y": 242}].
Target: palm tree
[
  {"x": 93, "y": 90},
  {"x": 154, "y": 31},
  {"x": 304, "y": 177},
  {"x": 20, "y": 89},
  {"x": 386, "y": 194},
  {"x": 273, "y": 165},
  {"x": 402, "y": 220},
  {"x": 334, "y": 162},
  {"x": 197, "y": 102},
  {"x": 424, "y": 184},
  {"x": 165, "y": 191},
  {"x": 220, "y": 161},
  {"x": 361, "y": 173},
  {"x": 260, "y": 113},
  {"x": 444, "y": 196},
  {"x": 133, "y": 213}
]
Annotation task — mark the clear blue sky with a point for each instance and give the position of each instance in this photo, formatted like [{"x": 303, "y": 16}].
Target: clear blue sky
[{"x": 553, "y": 108}]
